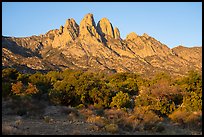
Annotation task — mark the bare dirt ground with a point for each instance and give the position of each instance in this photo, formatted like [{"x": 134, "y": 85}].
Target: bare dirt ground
[{"x": 59, "y": 120}]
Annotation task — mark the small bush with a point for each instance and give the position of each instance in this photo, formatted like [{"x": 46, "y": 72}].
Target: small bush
[
  {"x": 112, "y": 128},
  {"x": 80, "y": 106},
  {"x": 9, "y": 74},
  {"x": 97, "y": 120},
  {"x": 183, "y": 117},
  {"x": 121, "y": 100},
  {"x": 86, "y": 112},
  {"x": 141, "y": 118},
  {"x": 20, "y": 89}
]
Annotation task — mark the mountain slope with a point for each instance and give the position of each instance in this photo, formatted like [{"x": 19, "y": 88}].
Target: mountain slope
[{"x": 97, "y": 48}]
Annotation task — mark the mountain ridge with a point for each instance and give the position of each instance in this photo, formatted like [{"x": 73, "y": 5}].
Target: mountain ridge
[{"x": 98, "y": 47}]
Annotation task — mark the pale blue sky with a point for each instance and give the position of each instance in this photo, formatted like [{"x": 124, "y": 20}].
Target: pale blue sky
[{"x": 172, "y": 23}]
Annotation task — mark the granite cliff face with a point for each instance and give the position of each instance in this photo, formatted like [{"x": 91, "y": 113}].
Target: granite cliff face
[{"x": 97, "y": 48}]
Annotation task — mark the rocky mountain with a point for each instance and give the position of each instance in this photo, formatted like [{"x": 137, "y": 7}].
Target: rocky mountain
[{"x": 92, "y": 47}]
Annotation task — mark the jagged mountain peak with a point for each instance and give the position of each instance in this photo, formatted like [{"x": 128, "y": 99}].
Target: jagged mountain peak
[
  {"x": 116, "y": 33},
  {"x": 88, "y": 20},
  {"x": 87, "y": 28},
  {"x": 97, "y": 48},
  {"x": 105, "y": 27},
  {"x": 70, "y": 23},
  {"x": 131, "y": 36},
  {"x": 146, "y": 35}
]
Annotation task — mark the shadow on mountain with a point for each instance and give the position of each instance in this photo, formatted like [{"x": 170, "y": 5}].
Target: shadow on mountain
[
  {"x": 16, "y": 49},
  {"x": 26, "y": 69}
]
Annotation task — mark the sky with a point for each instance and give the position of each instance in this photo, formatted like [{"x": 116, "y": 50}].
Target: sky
[{"x": 172, "y": 23}]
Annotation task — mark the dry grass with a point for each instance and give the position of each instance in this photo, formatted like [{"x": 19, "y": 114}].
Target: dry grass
[
  {"x": 85, "y": 112},
  {"x": 190, "y": 119},
  {"x": 97, "y": 120},
  {"x": 48, "y": 119},
  {"x": 140, "y": 119},
  {"x": 93, "y": 128},
  {"x": 114, "y": 115}
]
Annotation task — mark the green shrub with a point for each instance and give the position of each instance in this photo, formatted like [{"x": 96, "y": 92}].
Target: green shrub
[
  {"x": 121, "y": 100},
  {"x": 63, "y": 93},
  {"x": 41, "y": 81},
  {"x": 9, "y": 74}
]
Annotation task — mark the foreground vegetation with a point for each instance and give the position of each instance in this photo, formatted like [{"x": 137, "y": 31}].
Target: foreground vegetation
[{"x": 112, "y": 101}]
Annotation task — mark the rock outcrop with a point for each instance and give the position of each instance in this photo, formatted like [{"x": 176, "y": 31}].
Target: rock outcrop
[
  {"x": 66, "y": 34},
  {"x": 105, "y": 27},
  {"x": 131, "y": 36},
  {"x": 116, "y": 33},
  {"x": 146, "y": 35},
  {"x": 87, "y": 28}
]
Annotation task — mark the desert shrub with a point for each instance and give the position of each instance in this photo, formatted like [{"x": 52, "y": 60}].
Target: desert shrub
[
  {"x": 69, "y": 74},
  {"x": 146, "y": 115},
  {"x": 41, "y": 81},
  {"x": 86, "y": 112},
  {"x": 9, "y": 74},
  {"x": 192, "y": 82},
  {"x": 192, "y": 102},
  {"x": 31, "y": 89},
  {"x": 86, "y": 83},
  {"x": 112, "y": 128},
  {"x": 20, "y": 89},
  {"x": 24, "y": 78},
  {"x": 63, "y": 93},
  {"x": 54, "y": 76},
  {"x": 125, "y": 82},
  {"x": 121, "y": 100},
  {"x": 97, "y": 120},
  {"x": 115, "y": 115},
  {"x": 162, "y": 106},
  {"x": 183, "y": 117},
  {"x": 191, "y": 85},
  {"x": 163, "y": 97},
  {"x": 160, "y": 76},
  {"x": 101, "y": 96},
  {"x": 80, "y": 106},
  {"x": 139, "y": 119},
  {"x": 128, "y": 86}
]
